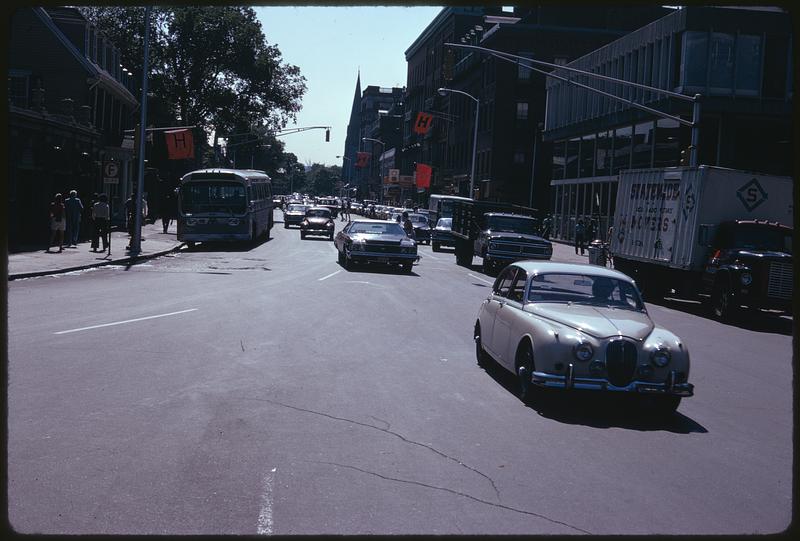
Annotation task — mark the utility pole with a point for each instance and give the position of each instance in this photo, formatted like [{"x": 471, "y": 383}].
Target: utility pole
[{"x": 136, "y": 238}]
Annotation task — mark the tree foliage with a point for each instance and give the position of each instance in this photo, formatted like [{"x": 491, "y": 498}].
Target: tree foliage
[{"x": 209, "y": 65}]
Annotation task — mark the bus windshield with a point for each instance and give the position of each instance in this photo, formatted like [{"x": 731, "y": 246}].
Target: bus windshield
[{"x": 204, "y": 197}]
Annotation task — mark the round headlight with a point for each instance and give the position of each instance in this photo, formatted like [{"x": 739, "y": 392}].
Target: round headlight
[
  {"x": 746, "y": 278},
  {"x": 660, "y": 357},
  {"x": 584, "y": 351},
  {"x": 330, "y": 224}
]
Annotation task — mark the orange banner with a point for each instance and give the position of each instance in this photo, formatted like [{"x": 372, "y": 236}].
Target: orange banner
[
  {"x": 423, "y": 175},
  {"x": 180, "y": 144},
  {"x": 423, "y": 123},
  {"x": 362, "y": 159}
]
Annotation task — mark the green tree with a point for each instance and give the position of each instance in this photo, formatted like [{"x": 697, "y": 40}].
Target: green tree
[{"x": 210, "y": 65}]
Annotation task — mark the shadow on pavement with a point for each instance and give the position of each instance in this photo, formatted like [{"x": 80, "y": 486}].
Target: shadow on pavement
[
  {"x": 236, "y": 246},
  {"x": 597, "y": 410},
  {"x": 747, "y": 319},
  {"x": 377, "y": 268}
]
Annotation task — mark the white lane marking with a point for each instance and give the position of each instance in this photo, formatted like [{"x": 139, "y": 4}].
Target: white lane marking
[
  {"x": 126, "y": 321},
  {"x": 331, "y": 274},
  {"x": 357, "y": 282},
  {"x": 265, "y": 516},
  {"x": 479, "y": 278}
]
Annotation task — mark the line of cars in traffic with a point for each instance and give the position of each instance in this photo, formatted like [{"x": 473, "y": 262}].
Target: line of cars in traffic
[{"x": 552, "y": 325}]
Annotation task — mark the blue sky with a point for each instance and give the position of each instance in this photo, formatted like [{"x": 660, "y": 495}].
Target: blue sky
[{"x": 329, "y": 44}]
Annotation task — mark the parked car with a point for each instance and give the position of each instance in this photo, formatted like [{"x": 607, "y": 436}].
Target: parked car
[
  {"x": 375, "y": 241},
  {"x": 442, "y": 234},
  {"x": 294, "y": 214},
  {"x": 317, "y": 221},
  {"x": 572, "y": 326}
]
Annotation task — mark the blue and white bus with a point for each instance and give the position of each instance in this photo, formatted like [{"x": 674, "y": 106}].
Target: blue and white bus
[{"x": 224, "y": 205}]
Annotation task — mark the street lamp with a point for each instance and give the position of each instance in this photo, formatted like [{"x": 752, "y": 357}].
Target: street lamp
[
  {"x": 380, "y": 169},
  {"x": 444, "y": 91}
]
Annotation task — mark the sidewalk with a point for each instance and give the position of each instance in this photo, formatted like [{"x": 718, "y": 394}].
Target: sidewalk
[{"x": 39, "y": 263}]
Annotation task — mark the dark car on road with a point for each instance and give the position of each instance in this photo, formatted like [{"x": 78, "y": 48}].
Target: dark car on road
[
  {"x": 375, "y": 241},
  {"x": 442, "y": 234},
  {"x": 317, "y": 221},
  {"x": 422, "y": 229},
  {"x": 294, "y": 214}
]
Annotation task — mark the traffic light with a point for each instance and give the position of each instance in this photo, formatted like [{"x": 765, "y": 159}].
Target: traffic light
[
  {"x": 447, "y": 64},
  {"x": 327, "y": 136}
]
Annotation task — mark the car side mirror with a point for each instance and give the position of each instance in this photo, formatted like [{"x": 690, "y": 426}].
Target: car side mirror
[{"x": 706, "y": 234}]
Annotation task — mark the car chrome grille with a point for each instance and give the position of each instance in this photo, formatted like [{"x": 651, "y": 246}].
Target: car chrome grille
[
  {"x": 620, "y": 362},
  {"x": 519, "y": 248},
  {"x": 383, "y": 248},
  {"x": 779, "y": 284}
]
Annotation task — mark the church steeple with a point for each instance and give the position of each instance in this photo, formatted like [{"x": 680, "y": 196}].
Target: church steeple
[{"x": 353, "y": 139}]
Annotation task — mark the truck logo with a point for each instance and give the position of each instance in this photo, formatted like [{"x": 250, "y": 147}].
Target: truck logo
[
  {"x": 688, "y": 204},
  {"x": 751, "y": 194}
]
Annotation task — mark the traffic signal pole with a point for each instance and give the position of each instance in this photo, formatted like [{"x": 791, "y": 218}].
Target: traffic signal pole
[{"x": 526, "y": 62}]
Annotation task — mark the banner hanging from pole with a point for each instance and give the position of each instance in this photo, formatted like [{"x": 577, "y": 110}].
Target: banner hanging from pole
[
  {"x": 423, "y": 175},
  {"x": 362, "y": 159},
  {"x": 180, "y": 144}
]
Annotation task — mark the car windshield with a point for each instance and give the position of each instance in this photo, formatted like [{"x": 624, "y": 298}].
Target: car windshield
[
  {"x": 418, "y": 219},
  {"x": 377, "y": 228},
  {"x": 752, "y": 237},
  {"x": 318, "y": 213},
  {"x": 296, "y": 208},
  {"x": 445, "y": 223},
  {"x": 584, "y": 289},
  {"x": 513, "y": 224}
]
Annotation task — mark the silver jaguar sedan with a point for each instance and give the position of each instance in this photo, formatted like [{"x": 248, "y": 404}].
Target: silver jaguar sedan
[{"x": 570, "y": 326}]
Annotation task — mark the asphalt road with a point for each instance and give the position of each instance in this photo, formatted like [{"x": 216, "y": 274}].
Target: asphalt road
[{"x": 266, "y": 390}]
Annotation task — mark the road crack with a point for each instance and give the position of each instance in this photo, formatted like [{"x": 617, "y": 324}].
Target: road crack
[
  {"x": 387, "y": 431},
  {"x": 451, "y": 491}
]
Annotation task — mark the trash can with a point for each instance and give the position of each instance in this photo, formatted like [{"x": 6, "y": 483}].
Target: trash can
[{"x": 597, "y": 253}]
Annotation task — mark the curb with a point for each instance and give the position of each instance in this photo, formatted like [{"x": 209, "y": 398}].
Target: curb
[{"x": 129, "y": 259}]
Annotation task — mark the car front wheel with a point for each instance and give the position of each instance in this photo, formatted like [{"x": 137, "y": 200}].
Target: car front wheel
[
  {"x": 435, "y": 246},
  {"x": 524, "y": 369},
  {"x": 406, "y": 267}
]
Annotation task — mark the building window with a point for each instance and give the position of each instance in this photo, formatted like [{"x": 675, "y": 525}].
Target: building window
[
  {"x": 558, "y": 160},
  {"x": 622, "y": 149},
  {"x": 18, "y": 88},
  {"x": 642, "y": 146},
  {"x": 603, "y": 153},
  {"x": 522, "y": 111},
  {"x": 587, "y": 156},
  {"x": 667, "y": 143},
  {"x": 720, "y": 72},
  {"x": 519, "y": 157},
  {"x": 694, "y": 59},
  {"x": 573, "y": 146},
  {"x": 524, "y": 72}
]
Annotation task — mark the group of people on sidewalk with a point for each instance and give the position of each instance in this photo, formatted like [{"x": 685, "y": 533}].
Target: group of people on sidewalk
[
  {"x": 66, "y": 215},
  {"x": 65, "y": 220}
]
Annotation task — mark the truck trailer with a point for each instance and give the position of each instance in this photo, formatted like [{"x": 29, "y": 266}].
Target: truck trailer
[{"x": 722, "y": 233}]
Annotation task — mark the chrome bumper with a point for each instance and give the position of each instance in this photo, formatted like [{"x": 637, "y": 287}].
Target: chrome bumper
[
  {"x": 569, "y": 381},
  {"x": 382, "y": 257}
]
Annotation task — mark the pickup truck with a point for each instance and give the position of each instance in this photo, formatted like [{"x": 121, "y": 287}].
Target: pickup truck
[{"x": 497, "y": 232}]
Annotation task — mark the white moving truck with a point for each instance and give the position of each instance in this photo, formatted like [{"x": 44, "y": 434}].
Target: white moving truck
[{"x": 710, "y": 230}]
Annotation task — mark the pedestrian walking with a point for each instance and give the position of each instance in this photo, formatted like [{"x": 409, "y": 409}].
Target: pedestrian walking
[
  {"x": 342, "y": 211},
  {"x": 57, "y": 222},
  {"x": 165, "y": 196},
  {"x": 348, "y": 210},
  {"x": 100, "y": 216},
  {"x": 580, "y": 239},
  {"x": 74, "y": 209},
  {"x": 90, "y": 221},
  {"x": 408, "y": 227},
  {"x": 547, "y": 226}
]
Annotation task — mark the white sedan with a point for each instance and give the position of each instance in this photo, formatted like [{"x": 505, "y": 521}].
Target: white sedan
[{"x": 569, "y": 326}]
